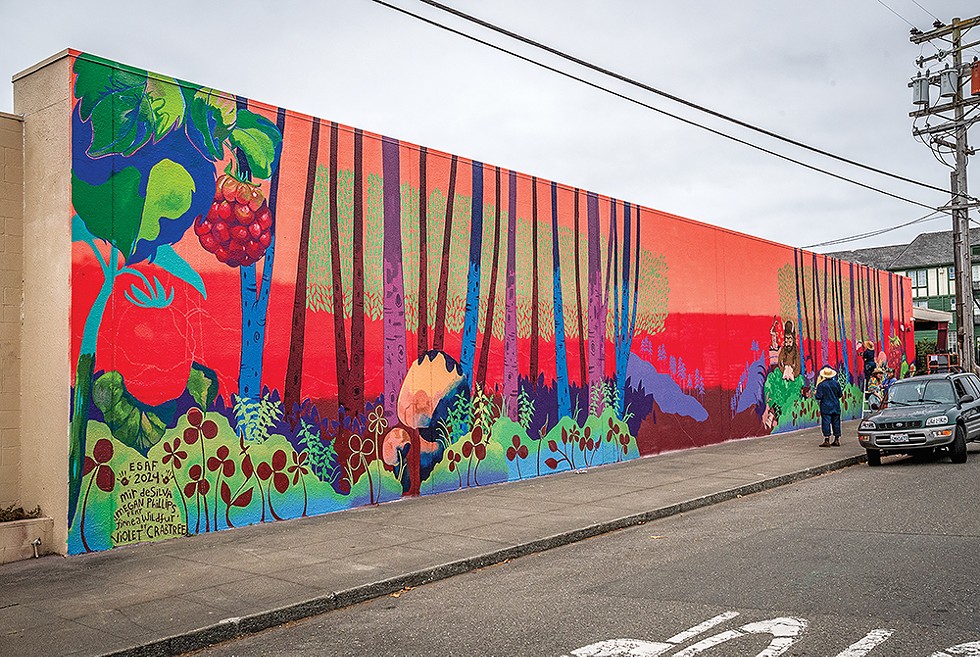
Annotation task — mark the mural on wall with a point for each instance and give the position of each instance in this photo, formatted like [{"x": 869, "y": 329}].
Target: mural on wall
[{"x": 275, "y": 316}]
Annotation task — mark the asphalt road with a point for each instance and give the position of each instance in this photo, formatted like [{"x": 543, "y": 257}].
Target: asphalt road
[{"x": 864, "y": 561}]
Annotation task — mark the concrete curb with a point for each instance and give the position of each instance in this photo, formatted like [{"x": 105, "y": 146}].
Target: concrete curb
[{"x": 231, "y": 628}]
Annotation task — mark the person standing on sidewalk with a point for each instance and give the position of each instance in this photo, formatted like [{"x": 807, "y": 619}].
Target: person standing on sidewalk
[{"x": 828, "y": 396}]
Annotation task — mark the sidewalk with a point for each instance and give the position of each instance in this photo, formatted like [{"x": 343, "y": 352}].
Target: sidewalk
[{"x": 171, "y": 597}]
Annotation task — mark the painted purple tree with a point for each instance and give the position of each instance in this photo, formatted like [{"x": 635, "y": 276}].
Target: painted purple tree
[
  {"x": 597, "y": 312},
  {"x": 510, "y": 302},
  {"x": 394, "y": 281}
]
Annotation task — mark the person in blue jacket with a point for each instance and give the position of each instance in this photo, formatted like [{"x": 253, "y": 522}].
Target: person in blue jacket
[{"x": 828, "y": 395}]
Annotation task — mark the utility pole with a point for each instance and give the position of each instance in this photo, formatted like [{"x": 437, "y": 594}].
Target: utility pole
[{"x": 950, "y": 81}]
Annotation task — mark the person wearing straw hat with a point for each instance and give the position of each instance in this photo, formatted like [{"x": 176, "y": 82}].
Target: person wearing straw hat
[
  {"x": 867, "y": 351},
  {"x": 828, "y": 396}
]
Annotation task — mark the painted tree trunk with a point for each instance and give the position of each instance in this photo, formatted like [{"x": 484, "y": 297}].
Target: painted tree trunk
[
  {"x": 845, "y": 354},
  {"x": 340, "y": 331},
  {"x": 442, "y": 296},
  {"x": 622, "y": 355},
  {"x": 356, "y": 393},
  {"x": 292, "y": 391},
  {"x": 255, "y": 299},
  {"x": 891, "y": 306},
  {"x": 472, "y": 308},
  {"x": 423, "y": 303},
  {"x": 869, "y": 291},
  {"x": 597, "y": 317},
  {"x": 798, "y": 272},
  {"x": 394, "y": 281},
  {"x": 854, "y": 327},
  {"x": 561, "y": 351},
  {"x": 510, "y": 302},
  {"x": 578, "y": 296},
  {"x": 533, "y": 369},
  {"x": 822, "y": 309},
  {"x": 481, "y": 372},
  {"x": 801, "y": 335},
  {"x": 612, "y": 295},
  {"x": 628, "y": 347}
]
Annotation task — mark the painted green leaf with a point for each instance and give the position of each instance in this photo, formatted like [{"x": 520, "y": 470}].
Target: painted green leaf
[
  {"x": 171, "y": 262},
  {"x": 168, "y": 195},
  {"x": 127, "y": 106},
  {"x": 259, "y": 140},
  {"x": 210, "y": 118},
  {"x": 166, "y": 104},
  {"x": 132, "y": 423},
  {"x": 203, "y": 385},
  {"x": 113, "y": 210},
  {"x": 156, "y": 297}
]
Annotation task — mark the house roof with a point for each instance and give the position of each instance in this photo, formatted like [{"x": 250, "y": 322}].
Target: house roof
[
  {"x": 880, "y": 257},
  {"x": 926, "y": 250}
]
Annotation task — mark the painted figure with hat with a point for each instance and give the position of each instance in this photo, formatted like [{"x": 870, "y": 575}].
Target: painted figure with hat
[{"x": 828, "y": 395}]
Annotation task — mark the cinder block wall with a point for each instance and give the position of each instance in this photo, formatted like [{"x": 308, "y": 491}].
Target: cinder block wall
[
  {"x": 41, "y": 96},
  {"x": 11, "y": 297}
]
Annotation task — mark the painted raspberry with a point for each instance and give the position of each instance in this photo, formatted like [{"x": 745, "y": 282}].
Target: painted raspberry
[{"x": 238, "y": 227}]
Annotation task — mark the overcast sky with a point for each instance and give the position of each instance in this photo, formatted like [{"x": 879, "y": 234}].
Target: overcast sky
[{"x": 833, "y": 74}]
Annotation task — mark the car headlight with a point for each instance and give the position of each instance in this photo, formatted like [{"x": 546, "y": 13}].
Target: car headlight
[
  {"x": 936, "y": 421},
  {"x": 867, "y": 425}
]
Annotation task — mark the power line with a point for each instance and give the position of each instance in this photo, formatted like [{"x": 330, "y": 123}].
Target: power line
[
  {"x": 896, "y": 13},
  {"x": 672, "y": 97},
  {"x": 932, "y": 216},
  {"x": 925, "y": 10},
  {"x": 653, "y": 108}
]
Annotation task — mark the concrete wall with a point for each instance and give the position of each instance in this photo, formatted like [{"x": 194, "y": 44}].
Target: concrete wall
[
  {"x": 11, "y": 296},
  {"x": 42, "y": 97}
]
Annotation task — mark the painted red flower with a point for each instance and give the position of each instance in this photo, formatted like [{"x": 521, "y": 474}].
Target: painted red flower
[
  {"x": 279, "y": 478},
  {"x": 298, "y": 468},
  {"x": 221, "y": 461},
  {"x": 105, "y": 478},
  {"x": 198, "y": 483},
  {"x": 517, "y": 449},
  {"x": 199, "y": 427},
  {"x": 476, "y": 448},
  {"x": 454, "y": 459},
  {"x": 174, "y": 453}
]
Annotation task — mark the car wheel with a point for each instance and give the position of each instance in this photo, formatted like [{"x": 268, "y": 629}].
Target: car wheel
[
  {"x": 957, "y": 451},
  {"x": 874, "y": 458}
]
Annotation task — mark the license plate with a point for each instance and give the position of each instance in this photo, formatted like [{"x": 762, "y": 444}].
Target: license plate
[{"x": 900, "y": 437}]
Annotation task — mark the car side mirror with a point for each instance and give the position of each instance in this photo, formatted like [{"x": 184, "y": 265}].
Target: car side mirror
[{"x": 966, "y": 399}]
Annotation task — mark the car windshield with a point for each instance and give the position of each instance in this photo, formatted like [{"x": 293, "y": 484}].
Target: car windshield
[{"x": 921, "y": 392}]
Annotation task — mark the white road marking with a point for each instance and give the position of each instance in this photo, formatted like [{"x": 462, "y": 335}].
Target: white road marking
[
  {"x": 702, "y": 627},
  {"x": 971, "y": 649},
  {"x": 784, "y": 630},
  {"x": 866, "y": 644},
  {"x": 623, "y": 648},
  {"x": 710, "y": 642}
]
